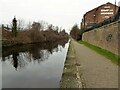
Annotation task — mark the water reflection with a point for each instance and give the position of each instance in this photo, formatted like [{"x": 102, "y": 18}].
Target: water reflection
[
  {"x": 15, "y": 60},
  {"x": 21, "y": 56}
]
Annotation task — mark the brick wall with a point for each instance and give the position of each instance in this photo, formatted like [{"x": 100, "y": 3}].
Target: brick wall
[{"x": 106, "y": 37}]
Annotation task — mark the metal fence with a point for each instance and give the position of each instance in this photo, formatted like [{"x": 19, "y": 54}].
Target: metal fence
[{"x": 114, "y": 18}]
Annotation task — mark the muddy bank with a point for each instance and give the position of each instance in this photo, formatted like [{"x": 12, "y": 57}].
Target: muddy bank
[{"x": 71, "y": 77}]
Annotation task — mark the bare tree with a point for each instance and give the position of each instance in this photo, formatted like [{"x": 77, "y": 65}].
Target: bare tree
[
  {"x": 21, "y": 24},
  {"x": 75, "y": 32},
  {"x": 44, "y": 25},
  {"x": 29, "y": 26}
]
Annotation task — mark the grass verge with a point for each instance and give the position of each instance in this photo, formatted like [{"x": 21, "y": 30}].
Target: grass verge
[{"x": 113, "y": 57}]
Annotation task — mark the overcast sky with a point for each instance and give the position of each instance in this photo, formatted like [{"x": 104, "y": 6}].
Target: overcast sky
[{"x": 63, "y": 13}]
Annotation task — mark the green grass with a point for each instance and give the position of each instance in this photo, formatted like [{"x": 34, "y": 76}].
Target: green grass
[{"x": 113, "y": 57}]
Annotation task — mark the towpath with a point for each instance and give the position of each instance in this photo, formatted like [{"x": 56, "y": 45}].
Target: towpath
[{"x": 95, "y": 70}]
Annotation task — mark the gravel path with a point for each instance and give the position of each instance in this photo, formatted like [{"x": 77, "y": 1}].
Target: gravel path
[{"x": 97, "y": 71}]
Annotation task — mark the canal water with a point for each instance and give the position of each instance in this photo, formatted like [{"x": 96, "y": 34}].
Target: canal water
[{"x": 33, "y": 66}]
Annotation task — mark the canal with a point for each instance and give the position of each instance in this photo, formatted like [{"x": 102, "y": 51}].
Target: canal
[{"x": 33, "y": 65}]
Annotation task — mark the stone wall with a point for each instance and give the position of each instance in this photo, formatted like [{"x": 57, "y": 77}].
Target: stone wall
[{"x": 105, "y": 37}]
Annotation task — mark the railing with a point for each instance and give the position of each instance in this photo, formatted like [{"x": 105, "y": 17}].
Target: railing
[
  {"x": 114, "y": 18},
  {"x": 5, "y": 27}
]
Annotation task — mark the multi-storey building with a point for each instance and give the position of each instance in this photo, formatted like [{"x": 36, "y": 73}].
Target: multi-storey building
[{"x": 98, "y": 15}]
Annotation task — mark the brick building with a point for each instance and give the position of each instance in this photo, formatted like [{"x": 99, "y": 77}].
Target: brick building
[{"x": 98, "y": 15}]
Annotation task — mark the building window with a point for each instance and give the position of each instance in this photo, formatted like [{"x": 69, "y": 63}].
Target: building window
[
  {"x": 106, "y": 12},
  {"x": 106, "y": 16},
  {"x": 91, "y": 24},
  {"x": 107, "y": 7},
  {"x": 111, "y": 10}
]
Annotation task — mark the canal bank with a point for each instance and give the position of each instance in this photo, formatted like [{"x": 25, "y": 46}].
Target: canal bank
[{"x": 71, "y": 77}]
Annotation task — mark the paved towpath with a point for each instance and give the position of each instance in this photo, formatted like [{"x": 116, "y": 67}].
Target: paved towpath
[{"x": 96, "y": 70}]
